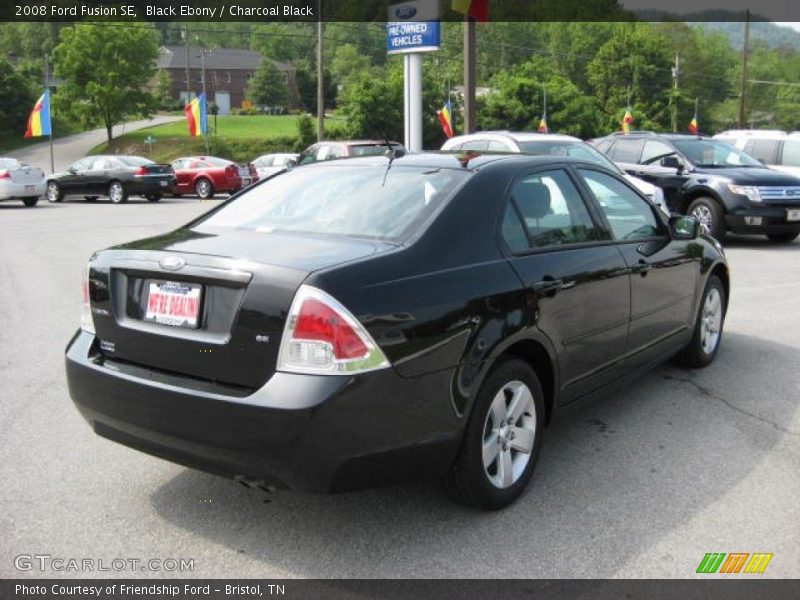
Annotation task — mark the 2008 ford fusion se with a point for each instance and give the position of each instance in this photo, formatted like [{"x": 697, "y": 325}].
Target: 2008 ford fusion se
[{"x": 363, "y": 321}]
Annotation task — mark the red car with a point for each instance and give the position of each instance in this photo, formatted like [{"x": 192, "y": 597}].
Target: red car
[{"x": 208, "y": 175}]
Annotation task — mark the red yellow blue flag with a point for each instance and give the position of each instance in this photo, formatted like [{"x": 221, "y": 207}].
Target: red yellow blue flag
[
  {"x": 445, "y": 116},
  {"x": 693, "y": 125},
  {"x": 475, "y": 9},
  {"x": 543, "y": 125},
  {"x": 39, "y": 119},
  {"x": 627, "y": 121},
  {"x": 195, "y": 113}
]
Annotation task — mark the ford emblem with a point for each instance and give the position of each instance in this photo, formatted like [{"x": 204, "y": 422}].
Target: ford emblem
[
  {"x": 405, "y": 12},
  {"x": 172, "y": 263}
]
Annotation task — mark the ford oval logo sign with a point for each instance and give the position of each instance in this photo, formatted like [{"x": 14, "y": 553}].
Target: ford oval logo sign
[
  {"x": 405, "y": 12},
  {"x": 172, "y": 263}
]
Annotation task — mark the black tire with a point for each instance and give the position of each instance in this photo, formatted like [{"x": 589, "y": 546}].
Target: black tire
[
  {"x": 91, "y": 198},
  {"x": 153, "y": 197},
  {"x": 468, "y": 482},
  {"x": 204, "y": 189},
  {"x": 710, "y": 214},
  {"x": 53, "y": 192},
  {"x": 782, "y": 238},
  {"x": 695, "y": 355},
  {"x": 117, "y": 192},
  {"x": 30, "y": 201}
]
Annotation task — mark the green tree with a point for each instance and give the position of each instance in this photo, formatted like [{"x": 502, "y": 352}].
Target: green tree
[
  {"x": 105, "y": 70},
  {"x": 18, "y": 99},
  {"x": 306, "y": 132},
  {"x": 163, "y": 87},
  {"x": 267, "y": 87}
]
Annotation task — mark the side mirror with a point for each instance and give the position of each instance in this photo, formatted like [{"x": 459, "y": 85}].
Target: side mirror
[
  {"x": 291, "y": 163},
  {"x": 672, "y": 162},
  {"x": 71, "y": 170},
  {"x": 684, "y": 228}
]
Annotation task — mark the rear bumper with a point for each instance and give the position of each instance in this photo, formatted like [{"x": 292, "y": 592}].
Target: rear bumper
[
  {"x": 154, "y": 185},
  {"x": 10, "y": 190},
  {"x": 764, "y": 219},
  {"x": 313, "y": 433}
]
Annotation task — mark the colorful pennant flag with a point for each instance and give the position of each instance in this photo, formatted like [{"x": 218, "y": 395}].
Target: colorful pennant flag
[
  {"x": 195, "y": 113},
  {"x": 475, "y": 9},
  {"x": 39, "y": 119},
  {"x": 445, "y": 116},
  {"x": 543, "y": 125},
  {"x": 693, "y": 125},
  {"x": 627, "y": 121}
]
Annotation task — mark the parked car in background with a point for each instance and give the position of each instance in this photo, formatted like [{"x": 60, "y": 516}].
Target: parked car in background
[
  {"x": 776, "y": 149},
  {"x": 117, "y": 177},
  {"x": 19, "y": 181},
  {"x": 209, "y": 175},
  {"x": 373, "y": 324},
  {"x": 547, "y": 144},
  {"x": 270, "y": 164},
  {"x": 723, "y": 187},
  {"x": 342, "y": 149}
]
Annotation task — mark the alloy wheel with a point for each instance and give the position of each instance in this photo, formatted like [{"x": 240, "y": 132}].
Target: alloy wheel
[
  {"x": 53, "y": 192},
  {"x": 711, "y": 321},
  {"x": 116, "y": 192},
  {"x": 203, "y": 189},
  {"x": 703, "y": 214},
  {"x": 508, "y": 434}
]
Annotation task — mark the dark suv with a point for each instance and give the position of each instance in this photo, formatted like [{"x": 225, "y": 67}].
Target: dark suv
[{"x": 724, "y": 188}]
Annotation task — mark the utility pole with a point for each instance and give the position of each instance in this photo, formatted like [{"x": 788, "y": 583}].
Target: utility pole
[
  {"x": 320, "y": 76},
  {"x": 469, "y": 75},
  {"x": 204, "y": 109},
  {"x": 675, "y": 73},
  {"x": 186, "y": 45},
  {"x": 49, "y": 108},
  {"x": 743, "y": 87}
]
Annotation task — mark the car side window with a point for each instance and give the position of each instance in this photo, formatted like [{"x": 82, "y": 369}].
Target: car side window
[
  {"x": 791, "y": 153},
  {"x": 630, "y": 216},
  {"x": 475, "y": 145},
  {"x": 764, "y": 150},
  {"x": 654, "y": 149},
  {"x": 265, "y": 162},
  {"x": 627, "y": 151},
  {"x": 603, "y": 146},
  {"x": 546, "y": 209},
  {"x": 455, "y": 148},
  {"x": 84, "y": 164},
  {"x": 177, "y": 164},
  {"x": 334, "y": 152},
  {"x": 309, "y": 155},
  {"x": 495, "y": 146}
]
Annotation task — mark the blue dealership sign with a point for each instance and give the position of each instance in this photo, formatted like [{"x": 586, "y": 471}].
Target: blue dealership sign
[{"x": 413, "y": 36}]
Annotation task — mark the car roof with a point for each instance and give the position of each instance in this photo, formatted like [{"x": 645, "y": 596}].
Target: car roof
[
  {"x": 753, "y": 133},
  {"x": 358, "y": 142},
  {"x": 517, "y": 136},
  {"x": 470, "y": 161}
]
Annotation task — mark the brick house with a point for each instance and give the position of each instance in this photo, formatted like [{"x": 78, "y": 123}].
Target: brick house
[{"x": 227, "y": 72}]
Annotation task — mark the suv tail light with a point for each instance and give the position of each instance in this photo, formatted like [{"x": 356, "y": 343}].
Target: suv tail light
[
  {"x": 322, "y": 337},
  {"x": 87, "y": 322}
]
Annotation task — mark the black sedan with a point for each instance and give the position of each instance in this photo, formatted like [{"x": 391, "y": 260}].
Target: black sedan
[
  {"x": 362, "y": 321},
  {"x": 116, "y": 177}
]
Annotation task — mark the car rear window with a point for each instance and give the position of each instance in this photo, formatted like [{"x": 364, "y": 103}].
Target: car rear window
[
  {"x": 369, "y": 149},
  {"x": 9, "y": 163},
  {"x": 565, "y": 148},
  {"x": 354, "y": 201},
  {"x": 135, "y": 161}
]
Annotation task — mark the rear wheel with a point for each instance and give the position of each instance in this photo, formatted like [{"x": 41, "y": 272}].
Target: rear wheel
[
  {"x": 702, "y": 349},
  {"x": 502, "y": 440},
  {"x": 204, "y": 189},
  {"x": 53, "y": 192},
  {"x": 710, "y": 214},
  {"x": 117, "y": 192},
  {"x": 153, "y": 197},
  {"x": 782, "y": 238}
]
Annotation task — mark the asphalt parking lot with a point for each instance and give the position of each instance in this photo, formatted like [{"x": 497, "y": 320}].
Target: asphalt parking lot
[{"x": 640, "y": 485}]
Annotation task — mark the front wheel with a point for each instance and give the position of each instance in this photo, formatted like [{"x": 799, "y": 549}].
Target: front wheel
[
  {"x": 502, "y": 440},
  {"x": 710, "y": 215},
  {"x": 30, "y": 201},
  {"x": 117, "y": 192},
  {"x": 702, "y": 348},
  {"x": 53, "y": 192},
  {"x": 782, "y": 238}
]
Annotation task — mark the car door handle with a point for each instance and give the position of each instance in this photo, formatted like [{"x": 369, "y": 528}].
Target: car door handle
[
  {"x": 548, "y": 286},
  {"x": 642, "y": 267}
]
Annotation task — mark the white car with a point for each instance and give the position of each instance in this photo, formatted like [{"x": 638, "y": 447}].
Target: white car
[
  {"x": 549, "y": 144},
  {"x": 776, "y": 149},
  {"x": 270, "y": 164},
  {"x": 19, "y": 181}
]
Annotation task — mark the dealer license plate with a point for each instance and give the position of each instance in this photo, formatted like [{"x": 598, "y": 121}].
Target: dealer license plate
[
  {"x": 164, "y": 183},
  {"x": 793, "y": 214},
  {"x": 30, "y": 189},
  {"x": 173, "y": 303}
]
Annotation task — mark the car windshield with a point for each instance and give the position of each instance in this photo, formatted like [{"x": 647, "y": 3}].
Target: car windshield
[
  {"x": 9, "y": 163},
  {"x": 714, "y": 154},
  {"x": 134, "y": 161},
  {"x": 354, "y": 201},
  {"x": 573, "y": 149}
]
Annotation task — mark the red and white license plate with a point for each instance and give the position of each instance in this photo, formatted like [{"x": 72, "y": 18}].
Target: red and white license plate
[
  {"x": 30, "y": 189},
  {"x": 173, "y": 303},
  {"x": 793, "y": 214}
]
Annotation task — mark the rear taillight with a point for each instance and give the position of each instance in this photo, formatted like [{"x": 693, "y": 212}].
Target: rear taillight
[
  {"x": 5, "y": 174},
  {"x": 230, "y": 171},
  {"x": 322, "y": 337},
  {"x": 87, "y": 322},
  {"x": 141, "y": 171}
]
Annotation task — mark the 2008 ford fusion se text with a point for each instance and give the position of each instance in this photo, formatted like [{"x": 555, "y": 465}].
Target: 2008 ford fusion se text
[{"x": 359, "y": 322}]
